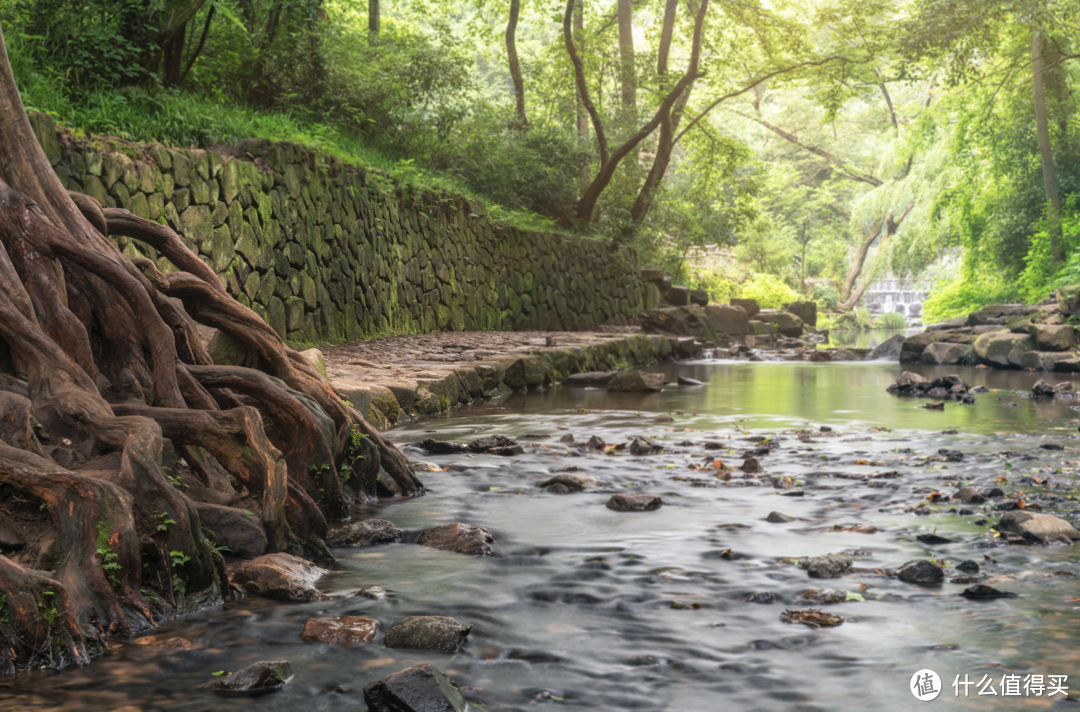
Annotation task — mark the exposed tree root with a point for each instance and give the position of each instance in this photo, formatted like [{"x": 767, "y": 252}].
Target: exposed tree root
[{"x": 107, "y": 365}]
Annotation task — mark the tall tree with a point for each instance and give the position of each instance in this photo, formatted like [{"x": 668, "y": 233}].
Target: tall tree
[
  {"x": 374, "y": 18},
  {"x": 627, "y": 71},
  {"x": 1046, "y": 151},
  {"x": 512, "y": 59}
]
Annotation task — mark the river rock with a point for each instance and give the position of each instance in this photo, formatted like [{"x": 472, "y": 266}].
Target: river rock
[
  {"x": 750, "y": 306},
  {"x": 827, "y": 566},
  {"x": 909, "y": 384},
  {"x": 686, "y": 381},
  {"x": 921, "y": 571},
  {"x": 751, "y": 465},
  {"x": 1044, "y": 360},
  {"x": 944, "y": 353},
  {"x": 982, "y": 592},
  {"x": 643, "y": 445},
  {"x": 968, "y": 495},
  {"x": 365, "y": 533},
  {"x": 460, "y": 538},
  {"x": 637, "y": 380},
  {"x": 1053, "y": 338},
  {"x": 806, "y": 310},
  {"x": 573, "y": 481},
  {"x": 282, "y": 577},
  {"x": 491, "y": 442},
  {"x": 440, "y": 634},
  {"x": 421, "y": 688},
  {"x": 889, "y": 349},
  {"x": 786, "y": 323},
  {"x": 1002, "y": 349},
  {"x": 256, "y": 679},
  {"x": 440, "y": 447},
  {"x": 344, "y": 629},
  {"x": 1036, "y": 527},
  {"x": 778, "y": 518},
  {"x": 243, "y": 534},
  {"x": 634, "y": 502},
  {"x": 1042, "y": 388},
  {"x": 375, "y": 593}
]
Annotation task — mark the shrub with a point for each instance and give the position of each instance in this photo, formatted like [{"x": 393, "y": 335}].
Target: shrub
[
  {"x": 826, "y": 297},
  {"x": 770, "y": 291},
  {"x": 960, "y": 295},
  {"x": 892, "y": 320}
]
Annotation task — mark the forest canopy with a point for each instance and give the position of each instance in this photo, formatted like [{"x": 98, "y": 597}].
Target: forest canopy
[{"x": 778, "y": 148}]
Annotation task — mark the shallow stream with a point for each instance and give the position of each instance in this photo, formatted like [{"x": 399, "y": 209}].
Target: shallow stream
[{"x": 586, "y": 608}]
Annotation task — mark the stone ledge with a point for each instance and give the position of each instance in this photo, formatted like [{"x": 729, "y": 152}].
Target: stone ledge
[{"x": 395, "y": 378}]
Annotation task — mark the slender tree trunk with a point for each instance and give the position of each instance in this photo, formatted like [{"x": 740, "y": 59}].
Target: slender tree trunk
[
  {"x": 1042, "y": 125},
  {"x": 627, "y": 73},
  {"x": 172, "y": 53},
  {"x": 582, "y": 113},
  {"x": 886, "y": 228},
  {"x": 373, "y": 16},
  {"x": 512, "y": 59}
]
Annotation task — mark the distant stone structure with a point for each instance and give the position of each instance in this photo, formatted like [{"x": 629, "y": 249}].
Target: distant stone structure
[{"x": 903, "y": 296}]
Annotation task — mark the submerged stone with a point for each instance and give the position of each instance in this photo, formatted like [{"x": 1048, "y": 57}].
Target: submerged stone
[
  {"x": 257, "y": 679},
  {"x": 435, "y": 633},
  {"x": 421, "y": 688}
]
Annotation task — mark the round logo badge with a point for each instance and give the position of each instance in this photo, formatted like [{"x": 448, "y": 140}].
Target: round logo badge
[{"x": 925, "y": 685}]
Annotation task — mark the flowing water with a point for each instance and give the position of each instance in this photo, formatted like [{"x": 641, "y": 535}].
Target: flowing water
[{"x": 586, "y": 608}]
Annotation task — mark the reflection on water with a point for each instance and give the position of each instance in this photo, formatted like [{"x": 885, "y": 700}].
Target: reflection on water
[{"x": 576, "y": 608}]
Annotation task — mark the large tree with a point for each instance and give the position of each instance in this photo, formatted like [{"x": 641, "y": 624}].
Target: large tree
[{"x": 100, "y": 361}]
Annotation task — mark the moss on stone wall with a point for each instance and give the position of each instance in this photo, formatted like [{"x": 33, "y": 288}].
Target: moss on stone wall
[{"x": 325, "y": 251}]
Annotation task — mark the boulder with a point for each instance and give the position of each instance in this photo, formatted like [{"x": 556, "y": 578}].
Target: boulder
[
  {"x": 911, "y": 351},
  {"x": 315, "y": 359},
  {"x": 460, "y": 538},
  {"x": 1036, "y": 527},
  {"x": 492, "y": 443},
  {"x": 572, "y": 481},
  {"x": 699, "y": 297},
  {"x": 728, "y": 319},
  {"x": 1068, "y": 300},
  {"x": 750, "y": 306},
  {"x": 634, "y": 502},
  {"x": 364, "y": 533},
  {"x": 807, "y": 311},
  {"x": 997, "y": 348},
  {"x": 440, "y": 447},
  {"x": 256, "y": 679},
  {"x": 241, "y": 533},
  {"x": 439, "y": 634},
  {"x": 844, "y": 355},
  {"x": 679, "y": 296},
  {"x": 957, "y": 323},
  {"x": 827, "y": 566},
  {"x": 421, "y": 688},
  {"x": 1053, "y": 338},
  {"x": 921, "y": 571},
  {"x": 1071, "y": 365},
  {"x": 888, "y": 350},
  {"x": 678, "y": 321},
  {"x": 1043, "y": 360},
  {"x": 909, "y": 384},
  {"x": 1042, "y": 388},
  {"x": 344, "y": 629},
  {"x": 761, "y": 328},
  {"x": 944, "y": 353},
  {"x": 282, "y": 577},
  {"x": 786, "y": 323},
  {"x": 637, "y": 381}
]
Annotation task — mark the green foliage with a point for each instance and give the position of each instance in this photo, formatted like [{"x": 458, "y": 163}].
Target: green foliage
[
  {"x": 826, "y": 296},
  {"x": 959, "y": 295},
  {"x": 163, "y": 521},
  {"x": 770, "y": 291},
  {"x": 891, "y": 320},
  {"x": 107, "y": 557}
]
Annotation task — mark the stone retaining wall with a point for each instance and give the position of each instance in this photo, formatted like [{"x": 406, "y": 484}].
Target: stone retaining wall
[{"x": 326, "y": 251}]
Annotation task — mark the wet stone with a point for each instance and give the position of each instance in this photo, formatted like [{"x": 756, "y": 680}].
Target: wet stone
[
  {"x": 761, "y": 597},
  {"x": 827, "y": 566},
  {"x": 492, "y": 442},
  {"x": 282, "y": 577},
  {"x": 372, "y": 592},
  {"x": 968, "y": 566},
  {"x": 439, "y": 447},
  {"x": 778, "y": 518},
  {"x": 982, "y": 592},
  {"x": 685, "y": 381},
  {"x": 344, "y": 629},
  {"x": 751, "y": 465},
  {"x": 256, "y": 679},
  {"x": 968, "y": 495},
  {"x": 365, "y": 533},
  {"x": 634, "y": 502},
  {"x": 1035, "y": 527},
  {"x": 460, "y": 538},
  {"x": 434, "y": 633},
  {"x": 570, "y": 482},
  {"x": 421, "y": 688},
  {"x": 921, "y": 571}
]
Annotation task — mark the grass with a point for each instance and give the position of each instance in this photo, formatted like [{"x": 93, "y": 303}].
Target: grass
[{"x": 180, "y": 118}]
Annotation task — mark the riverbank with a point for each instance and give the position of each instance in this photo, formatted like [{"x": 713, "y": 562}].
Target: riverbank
[{"x": 393, "y": 379}]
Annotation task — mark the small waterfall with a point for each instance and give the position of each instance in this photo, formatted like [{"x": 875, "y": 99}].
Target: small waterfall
[{"x": 891, "y": 294}]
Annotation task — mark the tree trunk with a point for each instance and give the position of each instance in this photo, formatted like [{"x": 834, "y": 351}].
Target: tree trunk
[
  {"x": 582, "y": 113},
  {"x": 512, "y": 59},
  {"x": 886, "y": 228},
  {"x": 107, "y": 352},
  {"x": 1042, "y": 126},
  {"x": 627, "y": 73},
  {"x": 373, "y": 16}
]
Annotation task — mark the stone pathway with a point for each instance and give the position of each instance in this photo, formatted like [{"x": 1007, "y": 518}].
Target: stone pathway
[{"x": 409, "y": 375}]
